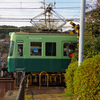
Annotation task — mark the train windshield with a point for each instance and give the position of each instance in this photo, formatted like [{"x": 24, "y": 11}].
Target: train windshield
[
  {"x": 20, "y": 49},
  {"x": 11, "y": 48}
]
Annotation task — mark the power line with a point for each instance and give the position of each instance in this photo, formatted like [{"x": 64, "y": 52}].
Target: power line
[
  {"x": 15, "y": 18},
  {"x": 34, "y": 21},
  {"x": 19, "y": 20},
  {"x": 30, "y": 18},
  {"x": 31, "y": 8},
  {"x": 29, "y": 21},
  {"x": 43, "y": 8},
  {"x": 30, "y": 15},
  {"x": 18, "y": 28},
  {"x": 39, "y": 2},
  {"x": 14, "y": 21}
]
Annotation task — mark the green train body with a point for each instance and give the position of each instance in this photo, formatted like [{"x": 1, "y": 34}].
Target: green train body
[{"x": 37, "y": 52}]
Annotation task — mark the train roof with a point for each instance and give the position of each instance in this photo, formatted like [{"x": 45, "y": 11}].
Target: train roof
[{"x": 45, "y": 33}]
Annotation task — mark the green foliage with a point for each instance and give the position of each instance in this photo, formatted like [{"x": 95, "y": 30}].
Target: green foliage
[
  {"x": 6, "y": 31},
  {"x": 4, "y": 49},
  {"x": 87, "y": 79},
  {"x": 93, "y": 28},
  {"x": 74, "y": 57},
  {"x": 84, "y": 81},
  {"x": 69, "y": 78},
  {"x": 92, "y": 24},
  {"x": 28, "y": 97},
  {"x": 28, "y": 29},
  {"x": 2, "y": 36},
  {"x": 91, "y": 46}
]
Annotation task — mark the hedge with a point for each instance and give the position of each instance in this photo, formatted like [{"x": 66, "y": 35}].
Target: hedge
[
  {"x": 69, "y": 78},
  {"x": 87, "y": 79}
]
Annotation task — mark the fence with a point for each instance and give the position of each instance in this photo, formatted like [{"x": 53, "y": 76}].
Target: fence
[{"x": 21, "y": 93}]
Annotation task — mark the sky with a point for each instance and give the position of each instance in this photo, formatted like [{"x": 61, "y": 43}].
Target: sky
[{"x": 69, "y": 9}]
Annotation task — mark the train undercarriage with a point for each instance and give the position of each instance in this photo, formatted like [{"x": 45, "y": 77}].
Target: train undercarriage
[{"x": 40, "y": 79}]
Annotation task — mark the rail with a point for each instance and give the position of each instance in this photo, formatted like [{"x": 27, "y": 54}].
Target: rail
[{"x": 21, "y": 92}]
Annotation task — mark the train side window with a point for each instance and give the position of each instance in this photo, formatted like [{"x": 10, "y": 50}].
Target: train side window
[
  {"x": 11, "y": 48},
  {"x": 50, "y": 49},
  {"x": 20, "y": 49},
  {"x": 35, "y": 48},
  {"x": 65, "y": 49}
]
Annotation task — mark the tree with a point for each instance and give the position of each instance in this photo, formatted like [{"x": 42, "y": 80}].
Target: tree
[
  {"x": 2, "y": 36},
  {"x": 92, "y": 28},
  {"x": 92, "y": 23}
]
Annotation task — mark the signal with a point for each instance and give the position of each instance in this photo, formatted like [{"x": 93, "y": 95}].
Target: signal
[
  {"x": 71, "y": 49},
  {"x": 76, "y": 30},
  {"x": 77, "y": 27}
]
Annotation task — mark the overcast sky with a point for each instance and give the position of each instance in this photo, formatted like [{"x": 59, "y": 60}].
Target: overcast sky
[{"x": 72, "y": 10}]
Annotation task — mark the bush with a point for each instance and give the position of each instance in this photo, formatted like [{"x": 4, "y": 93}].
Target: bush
[
  {"x": 74, "y": 57},
  {"x": 91, "y": 48},
  {"x": 69, "y": 78},
  {"x": 87, "y": 79}
]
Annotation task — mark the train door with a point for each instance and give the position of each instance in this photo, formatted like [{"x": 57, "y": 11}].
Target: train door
[
  {"x": 65, "y": 59},
  {"x": 19, "y": 60}
]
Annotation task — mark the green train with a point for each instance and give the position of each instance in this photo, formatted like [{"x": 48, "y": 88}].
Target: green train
[{"x": 37, "y": 52}]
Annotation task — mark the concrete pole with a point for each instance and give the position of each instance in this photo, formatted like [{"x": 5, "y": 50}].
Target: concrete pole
[{"x": 81, "y": 37}]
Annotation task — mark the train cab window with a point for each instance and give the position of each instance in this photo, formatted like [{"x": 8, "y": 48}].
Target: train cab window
[
  {"x": 50, "y": 49},
  {"x": 20, "y": 49},
  {"x": 65, "y": 49},
  {"x": 36, "y": 49},
  {"x": 11, "y": 48}
]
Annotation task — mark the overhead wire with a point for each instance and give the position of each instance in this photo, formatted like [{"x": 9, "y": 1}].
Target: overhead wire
[
  {"x": 29, "y": 15},
  {"x": 28, "y": 8},
  {"x": 31, "y": 18},
  {"x": 43, "y": 8},
  {"x": 39, "y": 2}
]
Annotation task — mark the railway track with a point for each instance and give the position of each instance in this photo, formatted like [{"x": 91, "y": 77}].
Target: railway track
[
  {"x": 26, "y": 88},
  {"x": 44, "y": 93}
]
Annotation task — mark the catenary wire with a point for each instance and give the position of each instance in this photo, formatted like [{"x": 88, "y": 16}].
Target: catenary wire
[{"x": 43, "y": 8}]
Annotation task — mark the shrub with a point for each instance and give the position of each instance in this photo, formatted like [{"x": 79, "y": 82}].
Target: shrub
[
  {"x": 87, "y": 79},
  {"x": 91, "y": 48},
  {"x": 69, "y": 78},
  {"x": 74, "y": 57}
]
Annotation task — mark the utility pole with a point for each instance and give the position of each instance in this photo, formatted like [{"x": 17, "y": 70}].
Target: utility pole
[
  {"x": 49, "y": 19},
  {"x": 81, "y": 37},
  {"x": 45, "y": 13}
]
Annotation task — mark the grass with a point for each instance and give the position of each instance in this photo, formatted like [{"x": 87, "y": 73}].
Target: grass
[{"x": 46, "y": 97}]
